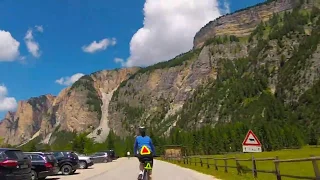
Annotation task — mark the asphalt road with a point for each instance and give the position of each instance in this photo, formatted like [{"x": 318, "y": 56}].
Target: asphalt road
[{"x": 124, "y": 169}]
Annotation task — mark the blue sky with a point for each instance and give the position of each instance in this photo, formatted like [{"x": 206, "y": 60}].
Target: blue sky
[{"x": 69, "y": 25}]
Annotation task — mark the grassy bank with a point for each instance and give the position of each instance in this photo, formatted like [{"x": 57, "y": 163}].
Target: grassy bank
[{"x": 292, "y": 168}]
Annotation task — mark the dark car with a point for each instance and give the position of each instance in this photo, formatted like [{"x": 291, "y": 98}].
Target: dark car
[
  {"x": 68, "y": 161},
  {"x": 14, "y": 165},
  {"x": 43, "y": 164},
  {"x": 112, "y": 154}
]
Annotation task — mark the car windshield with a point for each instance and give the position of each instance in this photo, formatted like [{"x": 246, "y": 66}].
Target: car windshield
[
  {"x": 58, "y": 154},
  {"x": 2, "y": 156},
  {"x": 50, "y": 157},
  {"x": 72, "y": 154},
  {"x": 15, "y": 154}
]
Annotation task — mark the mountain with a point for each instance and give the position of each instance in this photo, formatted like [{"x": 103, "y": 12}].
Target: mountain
[
  {"x": 258, "y": 66},
  {"x": 76, "y": 108}
]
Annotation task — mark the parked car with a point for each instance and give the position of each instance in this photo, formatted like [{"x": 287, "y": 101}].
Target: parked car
[
  {"x": 43, "y": 165},
  {"x": 84, "y": 161},
  {"x": 99, "y": 157},
  {"x": 68, "y": 161},
  {"x": 112, "y": 154},
  {"x": 14, "y": 165}
]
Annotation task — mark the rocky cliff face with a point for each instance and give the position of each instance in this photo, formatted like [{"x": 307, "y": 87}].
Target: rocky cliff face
[
  {"x": 227, "y": 79},
  {"x": 76, "y": 108},
  {"x": 26, "y": 121},
  {"x": 241, "y": 23},
  {"x": 154, "y": 95}
]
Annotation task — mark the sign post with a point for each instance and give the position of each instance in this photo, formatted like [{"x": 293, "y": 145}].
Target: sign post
[{"x": 251, "y": 143}]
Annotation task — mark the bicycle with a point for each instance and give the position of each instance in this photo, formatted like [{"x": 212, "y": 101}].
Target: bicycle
[{"x": 147, "y": 164}]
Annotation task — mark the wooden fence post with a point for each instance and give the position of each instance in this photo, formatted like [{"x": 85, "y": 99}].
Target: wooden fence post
[
  {"x": 238, "y": 166},
  {"x": 208, "y": 166},
  {"x": 215, "y": 164},
  {"x": 201, "y": 162},
  {"x": 225, "y": 165},
  {"x": 254, "y": 167},
  {"x": 277, "y": 170},
  {"x": 315, "y": 168}
]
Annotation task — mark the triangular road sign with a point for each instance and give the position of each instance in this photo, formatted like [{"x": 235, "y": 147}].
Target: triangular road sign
[
  {"x": 148, "y": 166},
  {"x": 251, "y": 139},
  {"x": 145, "y": 150}
]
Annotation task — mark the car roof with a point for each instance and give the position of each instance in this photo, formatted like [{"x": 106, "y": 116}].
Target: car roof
[
  {"x": 6, "y": 149},
  {"x": 33, "y": 153},
  {"x": 63, "y": 151}
]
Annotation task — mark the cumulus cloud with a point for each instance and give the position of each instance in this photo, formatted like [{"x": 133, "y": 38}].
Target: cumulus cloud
[
  {"x": 32, "y": 45},
  {"x": 9, "y": 47},
  {"x": 6, "y": 103},
  {"x": 226, "y": 6},
  {"x": 169, "y": 28},
  {"x": 99, "y": 46},
  {"x": 67, "y": 81},
  {"x": 39, "y": 28},
  {"x": 120, "y": 61}
]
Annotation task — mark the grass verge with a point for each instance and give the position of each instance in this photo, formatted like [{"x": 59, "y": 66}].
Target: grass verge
[{"x": 290, "y": 168}]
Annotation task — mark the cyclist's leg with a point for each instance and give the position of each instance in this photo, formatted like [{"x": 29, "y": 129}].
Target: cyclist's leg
[
  {"x": 150, "y": 171},
  {"x": 141, "y": 166}
]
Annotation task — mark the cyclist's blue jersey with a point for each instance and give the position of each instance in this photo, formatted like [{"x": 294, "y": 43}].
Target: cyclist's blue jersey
[{"x": 143, "y": 141}]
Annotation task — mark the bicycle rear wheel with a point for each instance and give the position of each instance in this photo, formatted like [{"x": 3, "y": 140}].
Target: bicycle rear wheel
[{"x": 145, "y": 175}]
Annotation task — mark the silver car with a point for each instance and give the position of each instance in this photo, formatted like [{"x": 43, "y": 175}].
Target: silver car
[
  {"x": 99, "y": 157},
  {"x": 84, "y": 161}
]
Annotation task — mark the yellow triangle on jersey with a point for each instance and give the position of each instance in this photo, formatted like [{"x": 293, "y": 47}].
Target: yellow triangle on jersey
[
  {"x": 145, "y": 150},
  {"x": 148, "y": 166}
]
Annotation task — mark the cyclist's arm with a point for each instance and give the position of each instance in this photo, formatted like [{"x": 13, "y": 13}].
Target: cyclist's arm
[
  {"x": 152, "y": 147},
  {"x": 135, "y": 147}
]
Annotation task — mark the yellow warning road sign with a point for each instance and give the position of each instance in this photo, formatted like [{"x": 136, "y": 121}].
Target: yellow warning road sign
[
  {"x": 148, "y": 166},
  {"x": 145, "y": 150}
]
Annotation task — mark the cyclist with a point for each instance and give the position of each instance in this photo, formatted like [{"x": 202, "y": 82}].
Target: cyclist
[
  {"x": 128, "y": 154},
  {"x": 143, "y": 140}
]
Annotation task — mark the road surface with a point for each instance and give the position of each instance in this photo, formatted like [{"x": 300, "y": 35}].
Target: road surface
[{"x": 124, "y": 169}]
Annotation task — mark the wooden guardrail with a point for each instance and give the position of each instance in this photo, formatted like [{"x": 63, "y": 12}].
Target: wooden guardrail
[{"x": 204, "y": 161}]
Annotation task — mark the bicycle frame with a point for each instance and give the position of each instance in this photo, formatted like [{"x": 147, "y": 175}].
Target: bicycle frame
[
  {"x": 145, "y": 175},
  {"x": 146, "y": 170}
]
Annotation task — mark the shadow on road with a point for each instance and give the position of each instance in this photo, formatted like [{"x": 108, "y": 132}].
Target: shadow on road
[
  {"x": 52, "y": 178},
  {"x": 76, "y": 173}
]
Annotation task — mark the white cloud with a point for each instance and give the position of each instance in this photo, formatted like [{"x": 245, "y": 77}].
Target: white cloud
[
  {"x": 67, "y": 81},
  {"x": 6, "y": 103},
  {"x": 119, "y": 60},
  {"x": 22, "y": 58},
  {"x": 169, "y": 28},
  {"x": 99, "y": 46},
  {"x": 39, "y": 28},
  {"x": 32, "y": 45},
  {"x": 9, "y": 47},
  {"x": 226, "y": 6}
]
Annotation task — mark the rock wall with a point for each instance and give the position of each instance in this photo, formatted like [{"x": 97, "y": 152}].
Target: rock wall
[
  {"x": 74, "y": 109},
  {"x": 21, "y": 125},
  {"x": 241, "y": 23}
]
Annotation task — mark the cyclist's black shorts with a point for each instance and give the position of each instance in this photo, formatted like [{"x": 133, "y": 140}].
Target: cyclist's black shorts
[{"x": 143, "y": 158}]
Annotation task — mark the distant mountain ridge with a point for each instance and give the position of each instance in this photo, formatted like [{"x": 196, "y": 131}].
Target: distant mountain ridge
[{"x": 238, "y": 66}]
